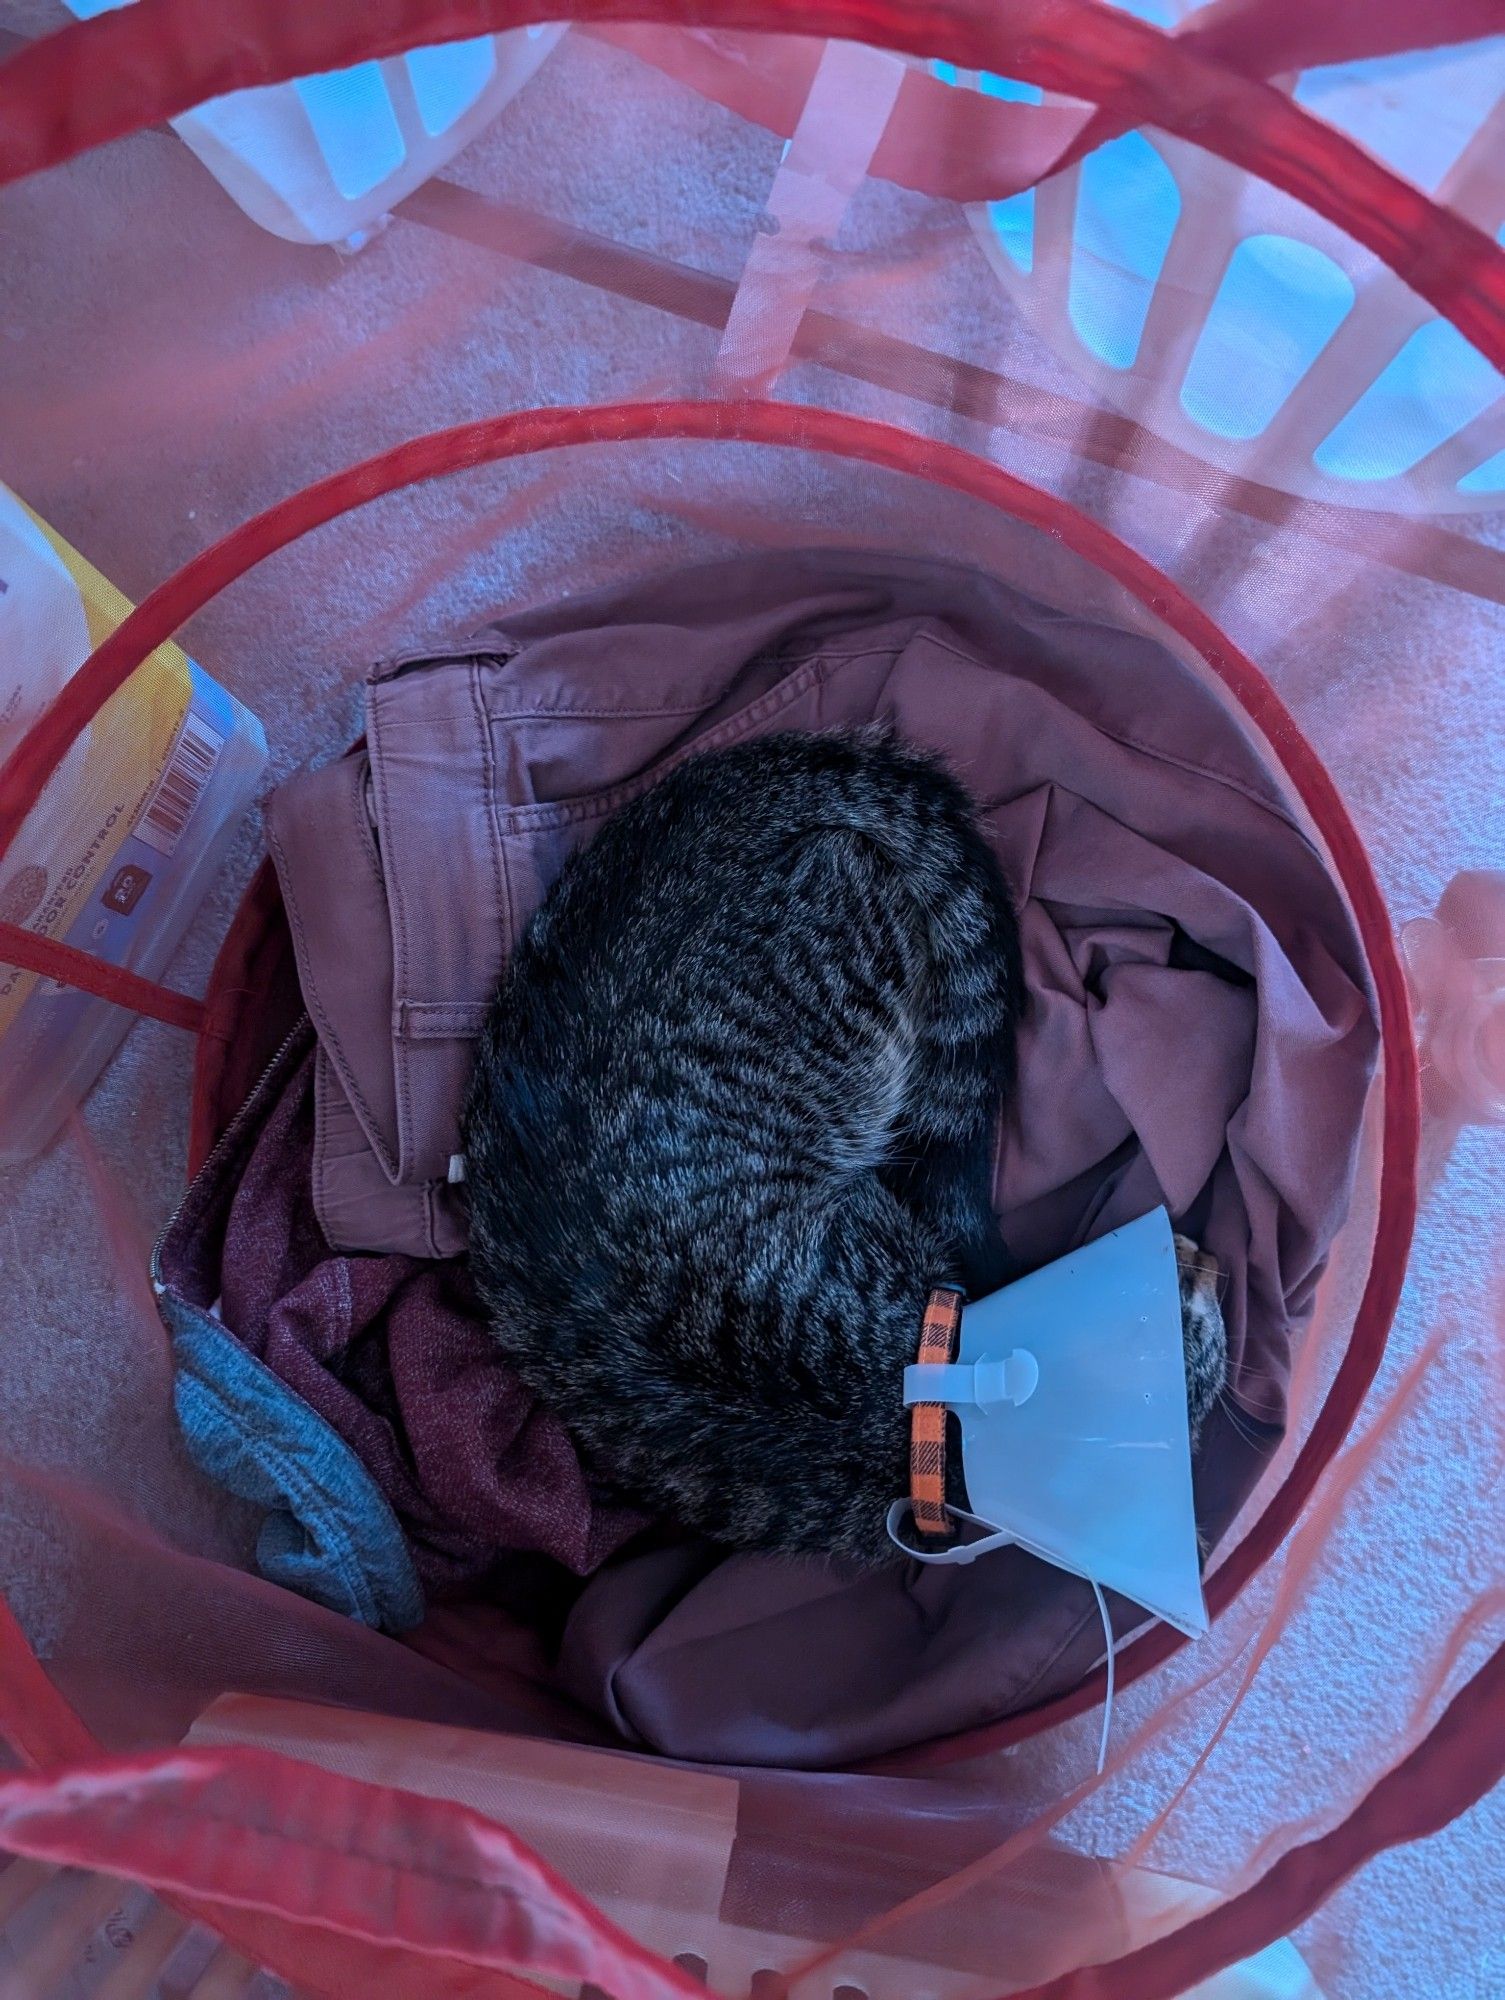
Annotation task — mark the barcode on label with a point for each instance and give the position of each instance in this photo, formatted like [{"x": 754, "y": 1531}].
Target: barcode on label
[{"x": 166, "y": 814}]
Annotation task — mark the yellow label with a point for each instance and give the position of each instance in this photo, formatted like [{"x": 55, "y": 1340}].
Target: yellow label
[{"x": 95, "y": 797}]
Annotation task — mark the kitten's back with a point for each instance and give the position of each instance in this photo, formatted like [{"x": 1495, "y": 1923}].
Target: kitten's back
[{"x": 731, "y": 1121}]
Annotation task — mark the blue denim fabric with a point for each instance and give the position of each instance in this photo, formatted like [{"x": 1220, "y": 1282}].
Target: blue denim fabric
[{"x": 329, "y": 1533}]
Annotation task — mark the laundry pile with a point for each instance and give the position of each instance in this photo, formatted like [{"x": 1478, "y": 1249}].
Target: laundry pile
[{"x": 1200, "y": 1033}]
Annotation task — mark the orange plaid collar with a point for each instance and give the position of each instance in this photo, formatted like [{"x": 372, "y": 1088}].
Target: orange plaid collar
[{"x": 927, "y": 1421}]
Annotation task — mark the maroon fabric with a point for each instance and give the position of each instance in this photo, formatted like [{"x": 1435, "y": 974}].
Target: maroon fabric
[{"x": 392, "y": 1353}]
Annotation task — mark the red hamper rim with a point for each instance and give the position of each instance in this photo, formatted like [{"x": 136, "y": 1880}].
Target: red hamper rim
[{"x": 493, "y": 439}]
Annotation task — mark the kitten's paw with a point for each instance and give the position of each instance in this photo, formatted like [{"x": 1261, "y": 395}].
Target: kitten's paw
[{"x": 1204, "y": 1337}]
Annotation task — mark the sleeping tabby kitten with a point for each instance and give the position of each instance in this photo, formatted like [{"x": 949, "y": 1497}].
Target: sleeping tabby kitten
[{"x": 731, "y": 1121}]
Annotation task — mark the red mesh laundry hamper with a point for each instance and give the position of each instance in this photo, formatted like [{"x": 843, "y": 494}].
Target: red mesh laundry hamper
[{"x": 330, "y": 330}]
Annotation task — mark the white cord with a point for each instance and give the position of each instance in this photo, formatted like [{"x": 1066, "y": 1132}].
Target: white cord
[
  {"x": 1102, "y": 1748},
  {"x": 997, "y": 1538}
]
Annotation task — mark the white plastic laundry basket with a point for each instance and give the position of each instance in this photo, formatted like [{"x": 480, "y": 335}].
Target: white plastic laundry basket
[
  {"x": 323, "y": 159},
  {"x": 1232, "y": 322}
]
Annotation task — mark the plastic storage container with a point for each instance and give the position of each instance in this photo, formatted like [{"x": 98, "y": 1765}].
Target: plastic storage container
[
  {"x": 323, "y": 159},
  {"x": 1241, "y": 326},
  {"x": 126, "y": 837}
]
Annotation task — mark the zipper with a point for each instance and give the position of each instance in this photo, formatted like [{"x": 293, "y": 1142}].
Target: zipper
[{"x": 221, "y": 1148}]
